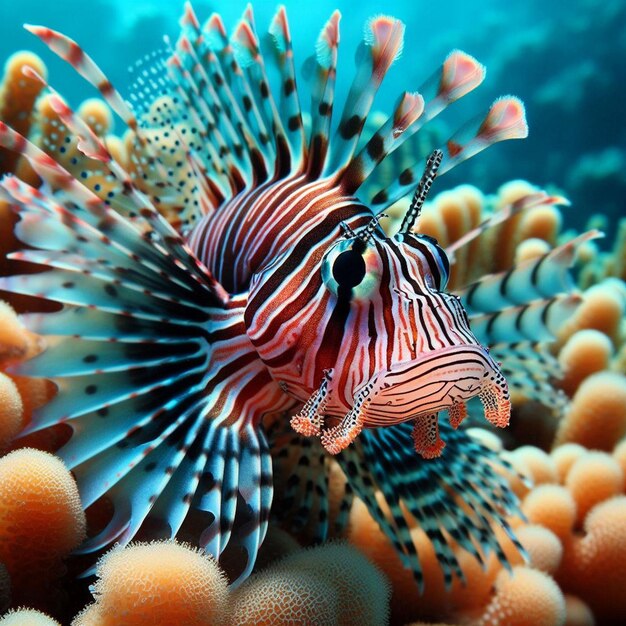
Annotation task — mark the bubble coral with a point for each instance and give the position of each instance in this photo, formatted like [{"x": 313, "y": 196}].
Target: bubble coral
[
  {"x": 27, "y": 617},
  {"x": 41, "y": 519},
  {"x": 157, "y": 583}
]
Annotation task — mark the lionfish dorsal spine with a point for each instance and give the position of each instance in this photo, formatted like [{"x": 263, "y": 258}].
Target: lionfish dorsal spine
[{"x": 382, "y": 44}]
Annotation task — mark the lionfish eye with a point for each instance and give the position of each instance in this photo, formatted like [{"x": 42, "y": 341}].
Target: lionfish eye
[{"x": 351, "y": 267}]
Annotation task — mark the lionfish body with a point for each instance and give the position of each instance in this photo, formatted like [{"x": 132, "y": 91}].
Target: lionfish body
[{"x": 276, "y": 293}]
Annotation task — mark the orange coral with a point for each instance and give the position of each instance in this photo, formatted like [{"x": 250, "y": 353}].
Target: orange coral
[
  {"x": 18, "y": 94},
  {"x": 603, "y": 308},
  {"x": 593, "y": 478},
  {"x": 525, "y": 597},
  {"x": 585, "y": 353},
  {"x": 597, "y": 416},
  {"x": 157, "y": 583},
  {"x": 41, "y": 519},
  {"x": 11, "y": 411},
  {"x": 564, "y": 456},
  {"x": 553, "y": 507},
  {"x": 594, "y": 566},
  {"x": 544, "y": 548}
]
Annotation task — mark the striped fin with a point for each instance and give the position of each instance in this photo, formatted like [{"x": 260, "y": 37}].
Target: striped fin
[
  {"x": 289, "y": 103},
  {"x": 456, "y": 498},
  {"x": 507, "y": 212},
  {"x": 504, "y": 120},
  {"x": 543, "y": 277},
  {"x": 70, "y": 51},
  {"x": 150, "y": 366},
  {"x": 105, "y": 224},
  {"x": 382, "y": 44},
  {"x": 322, "y": 73},
  {"x": 234, "y": 76},
  {"x": 385, "y": 140},
  {"x": 248, "y": 53},
  {"x": 538, "y": 320}
]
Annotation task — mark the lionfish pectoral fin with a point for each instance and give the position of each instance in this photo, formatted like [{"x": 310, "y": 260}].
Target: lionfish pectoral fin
[
  {"x": 308, "y": 422},
  {"x": 448, "y": 495},
  {"x": 425, "y": 434}
]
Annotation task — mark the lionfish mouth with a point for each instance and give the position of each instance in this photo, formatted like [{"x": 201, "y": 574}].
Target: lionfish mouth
[
  {"x": 443, "y": 380},
  {"x": 415, "y": 390}
]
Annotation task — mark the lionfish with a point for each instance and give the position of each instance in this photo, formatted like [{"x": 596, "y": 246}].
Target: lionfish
[{"x": 271, "y": 300}]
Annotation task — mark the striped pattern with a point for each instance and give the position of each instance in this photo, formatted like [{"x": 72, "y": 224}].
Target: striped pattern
[{"x": 269, "y": 291}]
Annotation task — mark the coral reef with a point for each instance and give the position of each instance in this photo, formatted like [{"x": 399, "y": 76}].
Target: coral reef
[
  {"x": 170, "y": 583},
  {"x": 572, "y": 493},
  {"x": 157, "y": 583},
  {"x": 41, "y": 521},
  {"x": 27, "y": 617}
]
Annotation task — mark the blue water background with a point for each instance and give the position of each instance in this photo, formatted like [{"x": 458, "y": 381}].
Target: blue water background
[{"x": 564, "y": 59}]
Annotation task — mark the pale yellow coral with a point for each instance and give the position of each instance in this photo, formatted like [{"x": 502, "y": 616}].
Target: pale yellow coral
[
  {"x": 577, "y": 612},
  {"x": 277, "y": 597},
  {"x": 362, "y": 588},
  {"x": 27, "y": 617},
  {"x": 18, "y": 94},
  {"x": 564, "y": 456}
]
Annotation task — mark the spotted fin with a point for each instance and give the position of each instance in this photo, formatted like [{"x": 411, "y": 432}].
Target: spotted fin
[
  {"x": 456, "y": 499},
  {"x": 155, "y": 374}
]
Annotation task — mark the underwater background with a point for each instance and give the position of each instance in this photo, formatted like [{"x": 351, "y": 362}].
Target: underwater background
[
  {"x": 556, "y": 476},
  {"x": 564, "y": 60}
]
